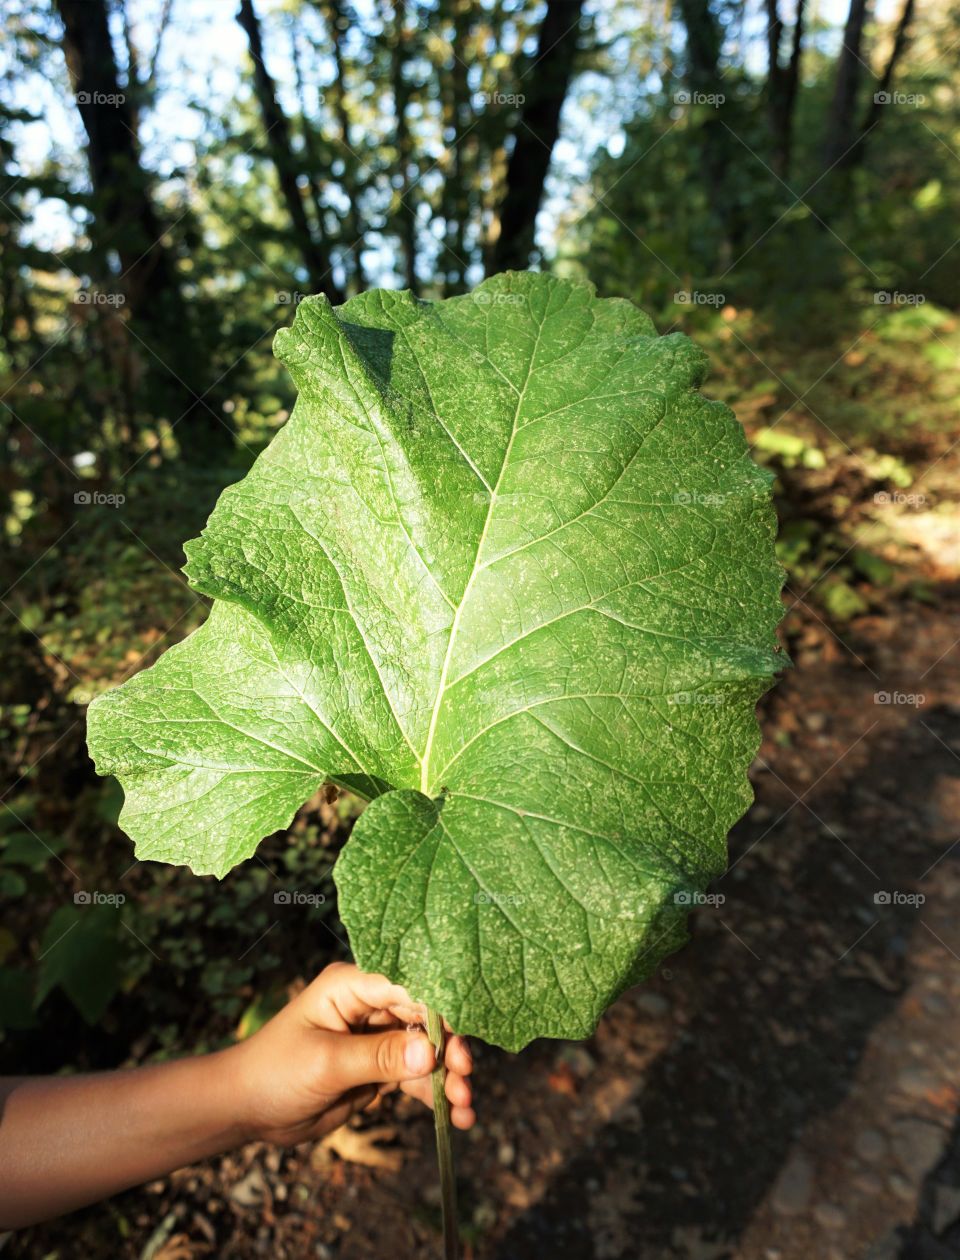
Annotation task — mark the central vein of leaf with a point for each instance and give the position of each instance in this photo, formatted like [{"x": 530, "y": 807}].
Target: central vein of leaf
[{"x": 455, "y": 625}]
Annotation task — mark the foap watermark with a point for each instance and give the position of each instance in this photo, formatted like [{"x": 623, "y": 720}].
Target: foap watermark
[
  {"x": 497, "y": 899},
  {"x": 894, "y": 897},
  {"x": 94, "y": 897},
  {"x": 97, "y": 498},
  {"x": 713, "y": 99},
  {"x": 498, "y": 299},
  {"x": 96, "y": 297},
  {"x": 910, "y": 699},
  {"x": 695, "y": 697},
  {"x": 912, "y": 99},
  {"x": 289, "y": 297},
  {"x": 688, "y": 897},
  {"x": 699, "y": 498},
  {"x": 893, "y": 297},
  {"x": 500, "y": 99},
  {"x": 296, "y": 897},
  {"x": 111, "y": 99},
  {"x": 696, "y": 297},
  {"x": 884, "y": 498}
]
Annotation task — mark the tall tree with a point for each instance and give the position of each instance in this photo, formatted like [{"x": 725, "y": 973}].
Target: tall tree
[
  {"x": 840, "y": 136},
  {"x": 782, "y": 83},
  {"x": 874, "y": 111},
  {"x": 458, "y": 169},
  {"x": 403, "y": 211},
  {"x": 314, "y": 249},
  {"x": 17, "y": 330},
  {"x": 126, "y": 219},
  {"x": 126, "y": 223},
  {"x": 336, "y": 92},
  {"x": 142, "y": 81},
  {"x": 536, "y": 133},
  {"x": 714, "y": 138}
]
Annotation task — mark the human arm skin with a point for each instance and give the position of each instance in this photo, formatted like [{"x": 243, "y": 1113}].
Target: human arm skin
[{"x": 69, "y": 1141}]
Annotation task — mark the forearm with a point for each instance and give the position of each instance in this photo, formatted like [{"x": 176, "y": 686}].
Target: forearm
[{"x": 68, "y": 1141}]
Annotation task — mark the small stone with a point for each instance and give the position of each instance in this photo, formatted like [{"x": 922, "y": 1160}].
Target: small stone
[
  {"x": 829, "y": 1216},
  {"x": 870, "y": 1145},
  {"x": 506, "y": 1153},
  {"x": 917, "y": 1146},
  {"x": 887, "y": 1247},
  {"x": 915, "y": 1082},
  {"x": 580, "y": 1061},
  {"x": 484, "y": 1216},
  {"x": 791, "y": 1194},
  {"x": 653, "y": 1004},
  {"x": 901, "y": 1187},
  {"x": 946, "y": 1207},
  {"x": 251, "y": 1191},
  {"x": 867, "y": 1183}
]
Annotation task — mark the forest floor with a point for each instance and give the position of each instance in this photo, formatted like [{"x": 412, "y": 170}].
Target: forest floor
[{"x": 786, "y": 1087}]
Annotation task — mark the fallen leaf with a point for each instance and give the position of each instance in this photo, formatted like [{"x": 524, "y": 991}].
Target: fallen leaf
[
  {"x": 360, "y": 1146},
  {"x": 562, "y": 1080}
]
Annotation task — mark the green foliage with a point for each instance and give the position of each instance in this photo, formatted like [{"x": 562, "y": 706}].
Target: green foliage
[
  {"x": 503, "y": 561},
  {"x": 87, "y": 968},
  {"x": 16, "y": 1000}
]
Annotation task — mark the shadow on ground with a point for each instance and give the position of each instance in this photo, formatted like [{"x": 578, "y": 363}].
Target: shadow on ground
[{"x": 785, "y": 982}]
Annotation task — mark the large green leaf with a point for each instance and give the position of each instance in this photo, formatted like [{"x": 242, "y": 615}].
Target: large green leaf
[{"x": 508, "y": 575}]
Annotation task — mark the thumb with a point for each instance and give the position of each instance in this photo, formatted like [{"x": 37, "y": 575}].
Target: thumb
[{"x": 378, "y": 1058}]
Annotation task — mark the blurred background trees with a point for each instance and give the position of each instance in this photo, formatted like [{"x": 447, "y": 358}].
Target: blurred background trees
[{"x": 166, "y": 156}]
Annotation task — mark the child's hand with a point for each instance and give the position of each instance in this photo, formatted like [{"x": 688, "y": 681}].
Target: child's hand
[
  {"x": 67, "y": 1141},
  {"x": 331, "y": 1051}
]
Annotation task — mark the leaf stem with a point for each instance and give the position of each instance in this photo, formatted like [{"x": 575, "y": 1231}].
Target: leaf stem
[{"x": 441, "y": 1117}]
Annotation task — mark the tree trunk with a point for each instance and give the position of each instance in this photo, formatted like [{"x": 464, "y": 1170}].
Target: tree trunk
[
  {"x": 17, "y": 332},
  {"x": 536, "y": 133},
  {"x": 841, "y": 131},
  {"x": 703, "y": 46},
  {"x": 874, "y": 111},
  {"x": 717, "y": 154},
  {"x": 336, "y": 93},
  {"x": 491, "y": 131},
  {"x": 126, "y": 224},
  {"x": 405, "y": 214},
  {"x": 313, "y": 162},
  {"x": 277, "y": 127},
  {"x": 782, "y": 83},
  {"x": 460, "y": 173}
]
